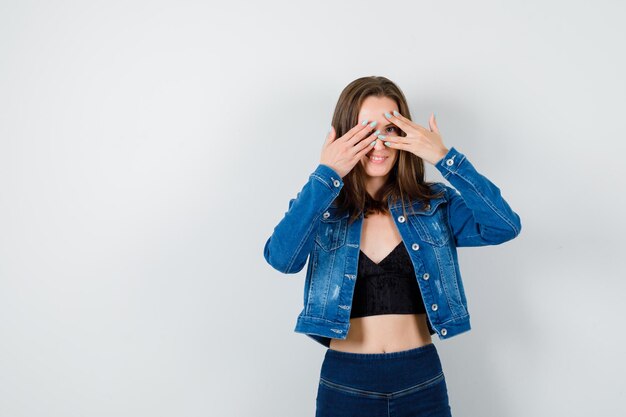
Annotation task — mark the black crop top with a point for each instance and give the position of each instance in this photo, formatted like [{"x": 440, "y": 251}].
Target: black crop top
[{"x": 389, "y": 287}]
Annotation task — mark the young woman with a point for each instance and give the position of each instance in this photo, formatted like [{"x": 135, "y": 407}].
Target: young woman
[{"x": 383, "y": 273}]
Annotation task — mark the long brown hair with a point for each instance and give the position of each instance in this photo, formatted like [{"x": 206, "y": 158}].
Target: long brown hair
[{"x": 406, "y": 179}]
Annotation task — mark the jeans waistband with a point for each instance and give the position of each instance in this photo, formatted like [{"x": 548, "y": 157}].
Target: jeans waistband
[{"x": 387, "y": 355}]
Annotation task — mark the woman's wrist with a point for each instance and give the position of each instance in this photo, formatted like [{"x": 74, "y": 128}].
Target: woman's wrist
[{"x": 441, "y": 155}]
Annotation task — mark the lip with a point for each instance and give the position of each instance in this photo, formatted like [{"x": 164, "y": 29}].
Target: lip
[{"x": 369, "y": 158}]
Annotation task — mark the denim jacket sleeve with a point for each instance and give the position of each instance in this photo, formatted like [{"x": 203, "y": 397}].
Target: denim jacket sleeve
[
  {"x": 477, "y": 213},
  {"x": 288, "y": 248}
]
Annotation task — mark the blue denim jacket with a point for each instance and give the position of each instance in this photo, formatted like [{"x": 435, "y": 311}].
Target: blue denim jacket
[{"x": 473, "y": 213}]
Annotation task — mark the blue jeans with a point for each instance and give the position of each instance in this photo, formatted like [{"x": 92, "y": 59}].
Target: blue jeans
[{"x": 393, "y": 384}]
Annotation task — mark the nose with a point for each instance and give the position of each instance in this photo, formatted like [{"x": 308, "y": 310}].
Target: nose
[{"x": 380, "y": 144}]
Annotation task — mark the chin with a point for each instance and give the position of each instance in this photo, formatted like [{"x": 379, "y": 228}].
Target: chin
[{"x": 377, "y": 170}]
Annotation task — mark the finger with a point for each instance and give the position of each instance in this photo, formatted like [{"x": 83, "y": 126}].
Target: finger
[
  {"x": 433, "y": 124},
  {"x": 333, "y": 135},
  {"x": 362, "y": 133},
  {"x": 330, "y": 136},
  {"x": 365, "y": 143},
  {"x": 361, "y": 127},
  {"x": 399, "y": 120},
  {"x": 397, "y": 145},
  {"x": 394, "y": 139},
  {"x": 363, "y": 148}
]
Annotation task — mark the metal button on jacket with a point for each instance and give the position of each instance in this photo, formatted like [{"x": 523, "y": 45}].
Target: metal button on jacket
[
  {"x": 401, "y": 219},
  {"x": 415, "y": 246}
]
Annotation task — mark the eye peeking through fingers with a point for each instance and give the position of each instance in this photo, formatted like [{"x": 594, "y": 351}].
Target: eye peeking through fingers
[{"x": 393, "y": 130}]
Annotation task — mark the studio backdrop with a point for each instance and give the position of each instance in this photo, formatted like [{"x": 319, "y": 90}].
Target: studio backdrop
[{"x": 148, "y": 149}]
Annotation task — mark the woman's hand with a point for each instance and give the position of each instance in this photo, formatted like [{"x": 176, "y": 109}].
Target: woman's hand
[
  {"x": 427, "y": 144},
  {"x": 344, "y": 153}
]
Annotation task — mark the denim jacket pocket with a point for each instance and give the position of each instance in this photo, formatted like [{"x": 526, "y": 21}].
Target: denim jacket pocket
[
  {"x": 431, "y": 223},
  {"x": 332, "y": 230}
]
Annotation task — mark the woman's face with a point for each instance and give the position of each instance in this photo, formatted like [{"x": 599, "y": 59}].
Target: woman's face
[{"x": 374, "y": 108}]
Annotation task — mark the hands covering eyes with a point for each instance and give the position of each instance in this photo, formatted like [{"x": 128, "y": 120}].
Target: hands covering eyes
[{"x": 344, "y": 153}]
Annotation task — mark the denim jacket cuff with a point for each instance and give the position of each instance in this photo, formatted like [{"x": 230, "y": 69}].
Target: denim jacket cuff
[
  {"x": 328, "y": 177},
  {"x": 450, "y": 163}
]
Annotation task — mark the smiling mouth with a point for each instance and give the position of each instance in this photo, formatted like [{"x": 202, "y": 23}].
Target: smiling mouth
[{"x": 377, "y": 159}]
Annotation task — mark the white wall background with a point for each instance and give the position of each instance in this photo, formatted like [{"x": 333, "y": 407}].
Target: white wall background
[{"x": 148, "y": 148}]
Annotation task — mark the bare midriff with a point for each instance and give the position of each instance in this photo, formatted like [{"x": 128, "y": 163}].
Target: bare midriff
[{"x": 384, "y": 333}]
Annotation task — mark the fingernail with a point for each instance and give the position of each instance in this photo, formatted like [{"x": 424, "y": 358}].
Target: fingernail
[
  {"x": 387, "y": 115},
  {"x": 377, "y": 132},
  {"x": 381, "y": 136},
  {"x": 364, "y": 123},
  {"x": 387, "y": 143},
  {"x": 373, "y": 143},
  {"x": 374, "y": 123},
  {"x": 395, "y": 113}
]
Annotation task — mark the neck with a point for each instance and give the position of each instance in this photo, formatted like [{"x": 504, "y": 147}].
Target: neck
[{"x": 374, "y": 185}]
